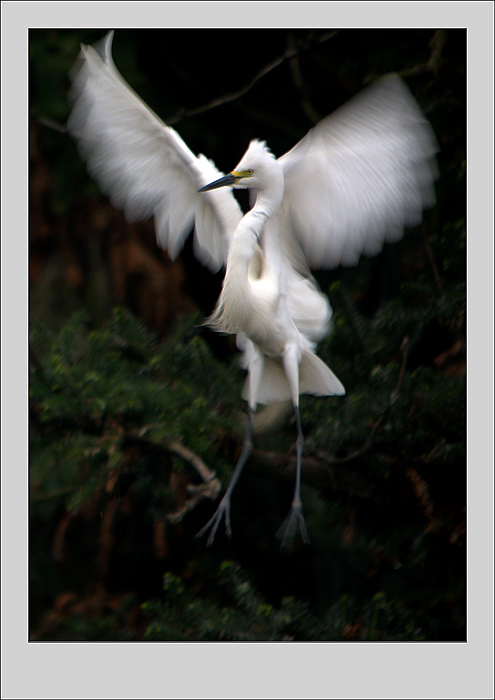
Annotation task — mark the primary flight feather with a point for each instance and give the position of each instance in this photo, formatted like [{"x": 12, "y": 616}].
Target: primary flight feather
[{"x": 353, "y": 182}]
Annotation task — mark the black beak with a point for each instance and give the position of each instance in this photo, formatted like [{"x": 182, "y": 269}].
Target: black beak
[{"x": 227, "y": 180}]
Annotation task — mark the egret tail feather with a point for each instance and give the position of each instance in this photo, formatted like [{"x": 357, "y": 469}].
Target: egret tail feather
[{"x": 315, "y": 377}]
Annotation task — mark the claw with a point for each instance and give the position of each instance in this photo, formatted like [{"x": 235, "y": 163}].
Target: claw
[
  {"x": 222, "y": 510},
  {"x": 287, "y": 530}
]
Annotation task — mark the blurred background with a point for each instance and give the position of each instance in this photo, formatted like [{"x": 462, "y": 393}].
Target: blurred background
[{"x": 133, "y": 404}]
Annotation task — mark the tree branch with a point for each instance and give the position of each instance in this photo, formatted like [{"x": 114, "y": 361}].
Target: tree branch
[
  {"x": 210, "y": 488},
  {"x": 290, "y": 53}
]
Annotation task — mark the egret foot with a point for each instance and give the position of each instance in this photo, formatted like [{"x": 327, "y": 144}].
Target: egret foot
[
  {"x": 287, "y": 530},
  {"x": 222, "y": 510}
]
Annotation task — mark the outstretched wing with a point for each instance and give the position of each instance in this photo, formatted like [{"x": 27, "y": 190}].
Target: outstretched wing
[
  {"x": 143, "y": 165},
  {"x": 359, "y": 176}
]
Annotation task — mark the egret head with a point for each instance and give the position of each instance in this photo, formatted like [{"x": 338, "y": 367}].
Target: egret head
[{"x": 258, "y": 169}]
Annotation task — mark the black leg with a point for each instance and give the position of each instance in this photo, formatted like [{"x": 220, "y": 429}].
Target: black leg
[
  {"x": 223, "y": 509},
  {"x": 287, "y": 530}
]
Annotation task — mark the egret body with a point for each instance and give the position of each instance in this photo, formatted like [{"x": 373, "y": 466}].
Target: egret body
[{"x": 354, "y": 181}]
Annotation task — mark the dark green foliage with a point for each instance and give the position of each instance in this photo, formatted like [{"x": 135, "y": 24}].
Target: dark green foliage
[
  {"x": 92, "y": 390},
  {"x": 241, "y": 614},
  {"x": 384, "y": 492}
]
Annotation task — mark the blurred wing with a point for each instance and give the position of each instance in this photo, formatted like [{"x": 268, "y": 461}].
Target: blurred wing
[
  {"x": 143, "y": 165},
  {"x": 358, "y": 177}
]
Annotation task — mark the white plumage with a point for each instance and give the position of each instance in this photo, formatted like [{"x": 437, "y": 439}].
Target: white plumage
[
  {"x": 354, "y": 181},
  {"x": 144, "y": 166}
]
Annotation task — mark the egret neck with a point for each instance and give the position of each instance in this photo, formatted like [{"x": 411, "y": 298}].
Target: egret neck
[{"x": 250, "y": 282}]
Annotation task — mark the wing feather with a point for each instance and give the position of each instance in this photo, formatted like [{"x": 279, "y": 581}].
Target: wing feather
[
  {"x": 359, "y": 177},
  {"x": 144, "y": 166}
]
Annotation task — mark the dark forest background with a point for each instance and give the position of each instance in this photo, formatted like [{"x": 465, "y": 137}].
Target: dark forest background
[{"x": 133, "y": 405}]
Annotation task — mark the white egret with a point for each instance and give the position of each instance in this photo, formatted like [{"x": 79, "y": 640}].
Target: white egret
[{"x": 354, "y": 181}]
